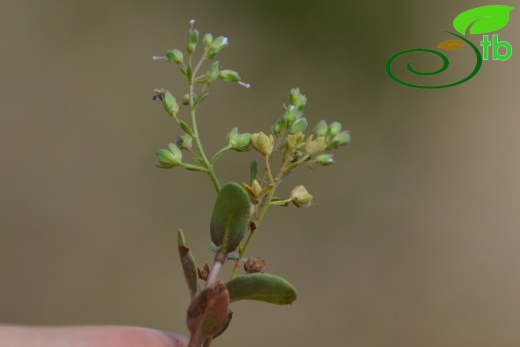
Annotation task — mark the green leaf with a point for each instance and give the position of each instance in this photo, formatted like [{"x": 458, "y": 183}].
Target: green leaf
[
  {"x": 262, "y": 287},
  {"x": 253, "y": 170},
  {"x": 482, "y": 19},
  {"x": 189, "y": 266},
  {"x": 230, "y": 218},
  {"x": 186, "y": 128}
]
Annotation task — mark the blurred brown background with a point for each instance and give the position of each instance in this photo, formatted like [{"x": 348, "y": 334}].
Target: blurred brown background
[{"x": 415, "y": 240}]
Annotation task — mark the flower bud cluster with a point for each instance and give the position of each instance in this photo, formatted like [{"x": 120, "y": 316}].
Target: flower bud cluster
[
  {"x": 333, "y": 135},
  {"x": 292, "y": 120}
]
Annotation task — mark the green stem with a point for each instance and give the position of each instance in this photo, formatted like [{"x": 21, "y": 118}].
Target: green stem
[
  {"x": 218, "y": 154},
  {"x": 194, "y": 168},
  {"x": 204, "y": 159},
  {"x": 268, "y": 169},
  {"x": 263, "y": 209}
]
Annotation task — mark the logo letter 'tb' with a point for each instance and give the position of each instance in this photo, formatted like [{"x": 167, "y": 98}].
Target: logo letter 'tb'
[{"x": 496, "y": 46}]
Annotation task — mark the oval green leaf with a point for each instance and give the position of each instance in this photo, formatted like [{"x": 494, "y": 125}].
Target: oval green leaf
[
  {"x": 186, "y": 128},
  {"x": 230, "y": 218},
  {"x": 262, "y": 287},
  {"x": 482, "y": 20}
]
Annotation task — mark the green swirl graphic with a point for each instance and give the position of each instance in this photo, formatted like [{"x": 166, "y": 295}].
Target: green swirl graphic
[{"x": 445, "y": 64}]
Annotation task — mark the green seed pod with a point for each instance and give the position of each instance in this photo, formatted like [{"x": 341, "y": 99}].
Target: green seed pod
[
  {"x": 174, "y": 56},
  {"x": 230, "y": 219}
]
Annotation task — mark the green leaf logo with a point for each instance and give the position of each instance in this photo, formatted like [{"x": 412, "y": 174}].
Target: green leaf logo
[{"x": 482, "y": 19}]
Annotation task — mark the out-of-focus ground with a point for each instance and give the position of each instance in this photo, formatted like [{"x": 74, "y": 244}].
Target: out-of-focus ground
[{"x": 414, "y": 240}]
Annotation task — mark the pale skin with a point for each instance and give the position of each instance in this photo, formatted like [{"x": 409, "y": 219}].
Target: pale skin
[{"x": 88, "y": 336}]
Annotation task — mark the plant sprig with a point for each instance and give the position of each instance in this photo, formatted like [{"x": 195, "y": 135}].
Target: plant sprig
[{"x": 239, "y": 208}]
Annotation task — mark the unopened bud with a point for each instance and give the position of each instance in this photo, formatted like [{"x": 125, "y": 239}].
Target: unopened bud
[
  {"x": 293, "y": 141},
  {"x": 341, "y": 139},
  {"x": 279, "y": 127},
  {"x": 242, "y": 142},
  {"x": 239, "y": 142},
  {"x": 231, "y": 135},
  {"x": 174, "y": 56},
  {"x": 316, "y": 146},
  {"x": 184, "y": 141},
  {"x": 168, "y": 158},
  {"x": 321, "y": 129},
  {"x": 207, "y": 40},
  {"x": 291, "y": 114},
  {"x": 218, "y": 45},
  {"x": 297, "y": 99},
  {"x": 298, "y": 126},
  {"x": 256, "y": 189},
  {"x": 168, "y": 100},
  {"x": 229, "y": 76},
  {"x": 193, "y": 38},
  {"x": 324, "y": 159},
  {"x": 301, "y": 197},
  {"x": 262, "y": 143},
  {"x": 212, "y": 73},
  {"x": 334, "y": 129}
]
